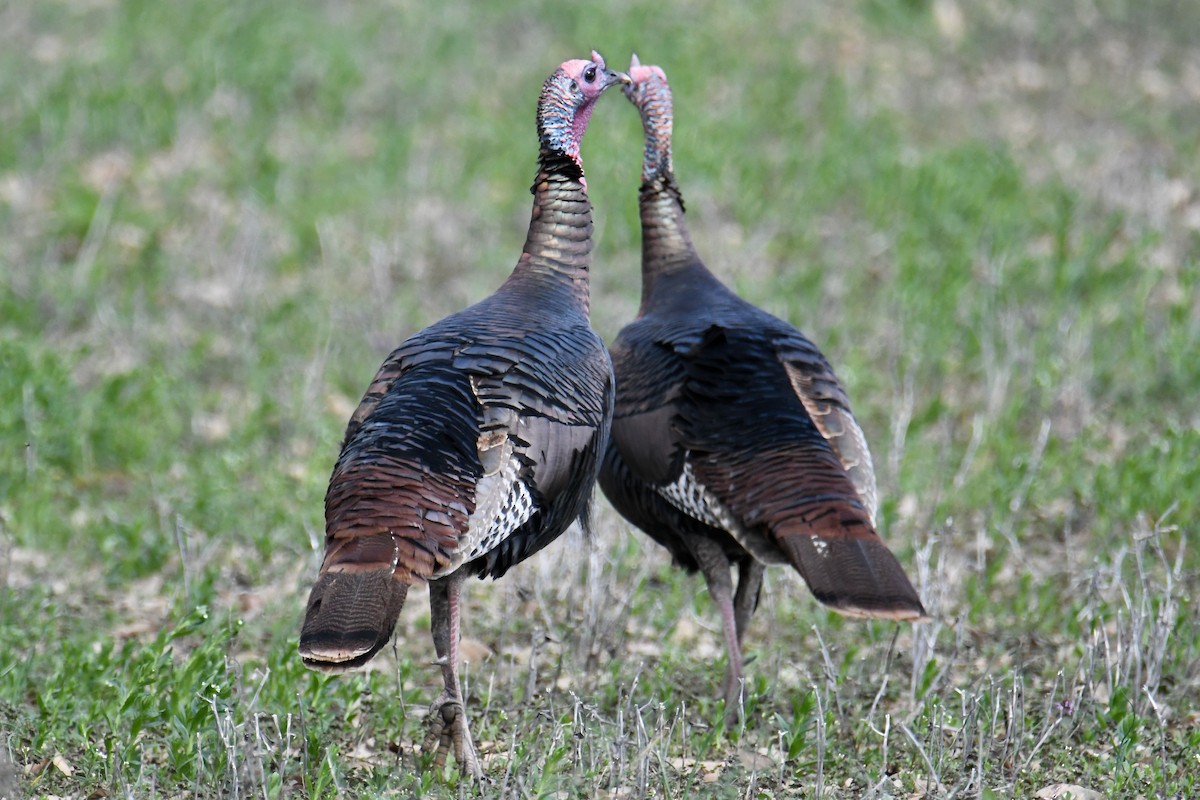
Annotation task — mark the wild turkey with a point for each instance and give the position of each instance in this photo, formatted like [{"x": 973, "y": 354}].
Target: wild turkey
[
  {"x": 732, "y": 440},
  {"x": 479, "y": 440}
]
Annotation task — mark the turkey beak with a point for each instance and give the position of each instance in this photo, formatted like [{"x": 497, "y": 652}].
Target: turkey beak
[
  {"x": 620, "y": 78},
  {"x": 629, "y": 88}
]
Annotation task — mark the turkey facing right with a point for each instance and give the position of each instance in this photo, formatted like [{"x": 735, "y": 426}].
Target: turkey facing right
[
  {"x": 479, "y": 440},
  {"x": 733, "y": 442}
]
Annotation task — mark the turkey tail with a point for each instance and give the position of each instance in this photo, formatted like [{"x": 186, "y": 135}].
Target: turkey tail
[
  {"x": 389, "y": 521},
  {"x": 353, "y": 607},
  {"x": 350, "y": 617},
  {"x": 850, "y": 569}
]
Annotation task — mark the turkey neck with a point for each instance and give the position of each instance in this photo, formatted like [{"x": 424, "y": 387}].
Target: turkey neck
[
  {"x": 558, "y": 249},
  {"x": 667, "y": 248},
  {"x": 666, "y": 243}
]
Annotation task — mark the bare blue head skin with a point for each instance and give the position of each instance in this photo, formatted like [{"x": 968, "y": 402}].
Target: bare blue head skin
[
  {"x": 566, "y": 103},
  {"x": 649, "y": 92}
]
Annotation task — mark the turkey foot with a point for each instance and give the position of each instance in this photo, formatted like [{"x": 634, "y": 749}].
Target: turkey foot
[{"x": 449, "y": 729}]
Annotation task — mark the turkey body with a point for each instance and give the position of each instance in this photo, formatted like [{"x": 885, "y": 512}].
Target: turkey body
[
  {"x": 478, "y": 442},
  {"x": 733, "y": 442}
]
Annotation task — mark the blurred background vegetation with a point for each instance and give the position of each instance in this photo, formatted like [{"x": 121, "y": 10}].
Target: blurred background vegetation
[{"x": 217, "y": 218}]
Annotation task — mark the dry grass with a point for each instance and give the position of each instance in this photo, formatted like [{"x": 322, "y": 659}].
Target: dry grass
[{"x": 213, "y": 223}]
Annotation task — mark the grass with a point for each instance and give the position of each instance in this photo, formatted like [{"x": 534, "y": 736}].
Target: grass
[{"x": 215, "y": 220}]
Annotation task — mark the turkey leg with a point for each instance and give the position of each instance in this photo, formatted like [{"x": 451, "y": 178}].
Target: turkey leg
[
  {"x": 448, "y": 712},
  {"x": 750, "y": 575},
  {"x": 715, "y": 566}
]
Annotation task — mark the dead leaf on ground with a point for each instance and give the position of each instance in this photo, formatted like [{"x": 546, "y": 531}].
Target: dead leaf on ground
[
  {"x": 755, "y": 761},
  {"x": 473, "y": 650},
  {"x": 33, "y": 770},
  {"x": 364, "y": 751},
  {"x": 926, "y": 787},
  {"x": 1063, "y": 790},
  {"x": 709, "y": 771}
]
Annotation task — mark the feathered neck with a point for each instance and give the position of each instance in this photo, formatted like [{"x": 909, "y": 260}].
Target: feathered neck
[
  {"x": 654, "y": 104},
  {"x": 667, "y": 248},
  {"x": 561, "y": 121},
  {"x": 557, "y": 252}
]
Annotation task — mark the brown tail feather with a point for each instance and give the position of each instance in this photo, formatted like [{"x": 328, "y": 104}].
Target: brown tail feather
[
  {"x": 386, "y": 528},
  {"x": 854, "y": 574},
  {"x": 350, "y": 617}
]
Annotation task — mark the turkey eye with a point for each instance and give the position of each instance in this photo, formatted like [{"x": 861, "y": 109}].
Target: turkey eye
[{"x": 589, "y": 74}]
